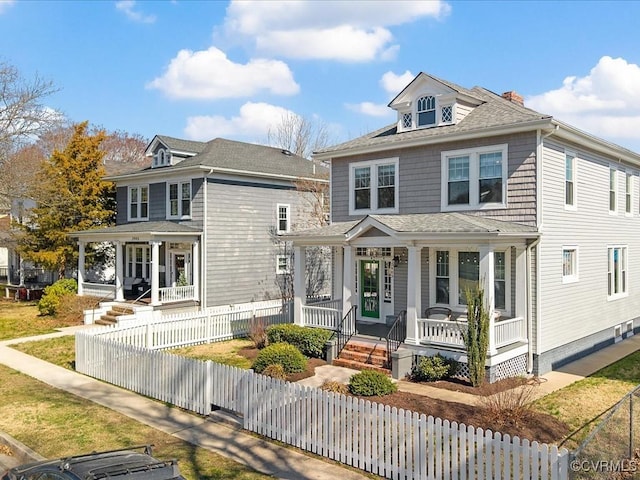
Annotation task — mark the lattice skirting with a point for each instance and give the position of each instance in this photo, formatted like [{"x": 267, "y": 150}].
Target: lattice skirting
[{"x": 511, "y": 368}]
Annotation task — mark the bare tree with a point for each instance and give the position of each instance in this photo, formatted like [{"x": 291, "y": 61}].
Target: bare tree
[{"x": 299, "y": 135}]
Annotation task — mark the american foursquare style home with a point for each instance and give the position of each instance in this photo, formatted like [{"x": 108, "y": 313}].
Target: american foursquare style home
[
  {"x": 200, "y": 226},
  {"x": 470, "y": 186}
]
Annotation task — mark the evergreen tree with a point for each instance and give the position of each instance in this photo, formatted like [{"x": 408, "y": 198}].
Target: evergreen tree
[{"x": 70, "y": 195}]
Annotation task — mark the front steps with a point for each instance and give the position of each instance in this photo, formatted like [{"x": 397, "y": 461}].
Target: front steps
[
  {"x": 364, "y": 355},
  {"x": 111, "y": 317}
]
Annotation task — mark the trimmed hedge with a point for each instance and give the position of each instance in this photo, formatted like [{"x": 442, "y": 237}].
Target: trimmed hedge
[
  {"x": 50, "y": 301},
  {"x": 310, "y": 341},
  {"x": 370, "y": 383},
  {"x": 285, "y": 354}
]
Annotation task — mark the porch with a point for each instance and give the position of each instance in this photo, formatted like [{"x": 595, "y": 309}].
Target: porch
[{"x": 159, "y": 266}]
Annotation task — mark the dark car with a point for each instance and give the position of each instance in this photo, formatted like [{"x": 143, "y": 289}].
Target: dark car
[{"x": 124, "y": 464}]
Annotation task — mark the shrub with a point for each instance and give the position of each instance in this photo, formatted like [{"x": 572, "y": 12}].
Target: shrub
[
  {"x": 430, "y": 369},
  {"x": 310, "y": 341},
  {"x": 257, "y": 332},
  {"x": 71, "y": 307},
  {"x": 510, "y": 407},
  {"x": 275, "y": 371},
  {"x": 335, "y": 387},
  {"x": 371, "y": 383},
  {"x": 287, "y": 355},
  {"x": 476, "y": 336},
  {"x": 50, "y": 301}
]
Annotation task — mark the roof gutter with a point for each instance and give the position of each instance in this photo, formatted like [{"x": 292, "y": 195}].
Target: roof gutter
[{"x": 421, "y": 141}]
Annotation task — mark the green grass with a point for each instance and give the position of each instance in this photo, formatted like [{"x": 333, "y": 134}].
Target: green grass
[
  {"x": 59, "y": 351},
  {"x": 55, "y": 423},
  {"x": 225, "y": 353},
  {"x": 22, "y": 319}
]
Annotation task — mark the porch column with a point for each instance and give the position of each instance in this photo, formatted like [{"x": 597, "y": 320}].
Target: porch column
[
  {"x": 521, "y": 282},
  {"x": 487, "y": 274},
  {"x": 414, "y": 294},
  {"x": 155, "y": 273},
  {"x": 348, "y": 282},
  {"x": 337, "y": 274},
  {"x": 195, "y": 270},
  {"x": 299, "y": 291},
  {"x": 119, "y": 272},
  {"x": 81, "y": 267}
]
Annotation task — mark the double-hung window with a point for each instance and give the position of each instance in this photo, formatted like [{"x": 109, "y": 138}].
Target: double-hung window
[
  {"x": 442, "y": 276},
  {"x": 569, "y": 264},
  {"x": 628, "y": 183},
  {"x": 374, "y": 187},
  {"x": 570, "y": 181},
  {"x": 139, "y": 203},
  {"x": 426, "y": 111},
  {"x": 500, "y": 280},
  {"x": 282, "y": 265},
  {"x": 617, "y": 272},
  {"x": 474, "y": 178},
  {"x": 180, "y": 200},
  {"x": 613, "y": 188},
  {"x": 284, "y": 220}
]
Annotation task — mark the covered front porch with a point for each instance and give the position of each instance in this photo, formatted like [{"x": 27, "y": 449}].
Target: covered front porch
[
  {"x": 418, "y": 268},
  {"x": 157, "y": 262}
]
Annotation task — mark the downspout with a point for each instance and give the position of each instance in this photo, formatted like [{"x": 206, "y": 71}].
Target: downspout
[
  {"x": 203, "y": 247},
  {"x": 530, "y": 305}
]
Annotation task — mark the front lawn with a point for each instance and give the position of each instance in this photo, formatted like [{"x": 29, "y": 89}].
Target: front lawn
[{"x": 22, "y": 319}]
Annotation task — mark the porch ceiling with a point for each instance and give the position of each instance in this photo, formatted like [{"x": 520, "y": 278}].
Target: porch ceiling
[
  {"x": 416, "y": 227},
  {"x": 139, "y": 231}
]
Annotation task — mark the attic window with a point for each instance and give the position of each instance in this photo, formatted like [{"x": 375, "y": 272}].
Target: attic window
[
  {"x": 426, "y": 111},
  {"x": 406, "y": 120},
  {"x": 447, "y": 114},
  {"x": 162, "y": 158}
]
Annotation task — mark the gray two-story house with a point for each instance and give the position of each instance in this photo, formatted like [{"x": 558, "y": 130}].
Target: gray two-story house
[
  {"x": 469, "y": 186},
  {"x": 200, "y": 226}
]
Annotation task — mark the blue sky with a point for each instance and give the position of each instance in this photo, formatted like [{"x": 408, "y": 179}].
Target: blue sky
[{"x": 201, "y": 70}]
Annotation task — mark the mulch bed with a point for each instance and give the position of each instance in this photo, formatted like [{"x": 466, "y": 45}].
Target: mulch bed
[{"x": 459, "y": 385}]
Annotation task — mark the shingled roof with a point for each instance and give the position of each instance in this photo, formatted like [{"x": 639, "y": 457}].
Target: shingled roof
[{"x": 189, "y": 146}]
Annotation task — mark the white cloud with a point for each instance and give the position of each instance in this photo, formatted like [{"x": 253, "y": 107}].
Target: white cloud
[
  {"x": 339, "y": 30},
  {"x": 209, "y": 74},
  {"x": 393, "y": 84},
  {"x": 253, "y": 121},
  {"x": 371, "y": 109},
  {"x": 128, "y": 7},
  {"x": 606, "y": 102},
  {"x": 5, "y": 4}
]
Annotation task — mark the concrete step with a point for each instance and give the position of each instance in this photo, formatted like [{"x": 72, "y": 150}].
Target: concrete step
[{"x": 339, "y": 362}]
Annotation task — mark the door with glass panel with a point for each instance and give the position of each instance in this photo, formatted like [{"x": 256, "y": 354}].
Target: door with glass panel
[{"x": 370, "y": 290}]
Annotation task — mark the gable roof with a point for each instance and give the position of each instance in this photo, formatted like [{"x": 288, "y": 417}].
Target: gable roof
[
  {"x": 422, "y": 77},
  {"x": 178, "y": 144}
]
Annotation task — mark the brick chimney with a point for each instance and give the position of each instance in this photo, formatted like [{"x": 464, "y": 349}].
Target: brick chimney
[{"x": 514, "y": 97}]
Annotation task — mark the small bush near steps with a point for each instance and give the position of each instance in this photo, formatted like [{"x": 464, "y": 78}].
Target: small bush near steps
[
  {"x": 275, "y": 371},
  {"x": 431, "y": 369},
  {"x": 310, "y": 341},
  {"x": 50, "y": 301},
  {"x": 335, "y": 387},
  {"x": 285, "y": 354},
  {"x": 369, "y": 383}
]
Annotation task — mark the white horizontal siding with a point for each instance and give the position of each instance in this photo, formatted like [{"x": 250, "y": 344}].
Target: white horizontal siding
[{"x": 575, "y": 310}]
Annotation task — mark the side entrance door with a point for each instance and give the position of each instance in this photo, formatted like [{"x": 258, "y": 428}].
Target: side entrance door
[{"x": 370, "y": 291}]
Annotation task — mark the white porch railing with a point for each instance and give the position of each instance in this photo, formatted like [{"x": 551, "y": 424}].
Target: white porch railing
[
  {"x": 448, "y": 333},
  {"x": 102, "y": 290},
  {"x": 177, "y": 294},
  {"x": 324, "y": 314}
]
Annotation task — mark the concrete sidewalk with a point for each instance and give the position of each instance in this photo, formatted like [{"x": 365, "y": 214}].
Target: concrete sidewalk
[{"x": 261, "y": 455}]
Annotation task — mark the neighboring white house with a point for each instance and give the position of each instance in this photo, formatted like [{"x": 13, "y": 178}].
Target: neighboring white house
[
  {"x": 201, "y": 224},
  {"x": 469, "y": 186}
]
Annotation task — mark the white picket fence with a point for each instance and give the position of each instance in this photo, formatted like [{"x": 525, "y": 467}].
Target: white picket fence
[{"x": 392, "y": 443}]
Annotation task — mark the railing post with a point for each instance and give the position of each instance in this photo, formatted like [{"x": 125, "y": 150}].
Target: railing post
[{"x": 492, "y": 334}]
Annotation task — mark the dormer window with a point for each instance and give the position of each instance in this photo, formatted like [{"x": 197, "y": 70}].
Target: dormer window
[
  {"x": 447, "y": 114},
  {"x": 162, "y": 158},
  {"x": 426, "y": 111},
  {"x": 406, "y": 120}
]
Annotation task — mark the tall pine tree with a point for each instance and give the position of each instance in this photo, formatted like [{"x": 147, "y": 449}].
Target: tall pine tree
[{"x": 70, "y": 196}]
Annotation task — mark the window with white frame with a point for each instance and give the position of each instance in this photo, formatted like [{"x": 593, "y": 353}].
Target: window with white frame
[
  {"x": 162, "y": 158},
  {"x": 569, "y": 264},
  {"x": 374, "y": 186},
  {"x": 474, "y": 178},
  {"x": 179, "y": 199},
  {"x": 617, "y": 271},
  {"x": 406, "y": 120},
  {"x": 138, "y": 261},
  {"x": 628, "y": 183},
  {"x": 284, "y": 220},
  {"x": 442, "y": 276},
  {"x": 570, "y": 180},
  {"x": 283, "y": 264},
  {"x": 388, "y": 282},
  {"x": 139, "y": 202},
  {"x": 426, "y": 111},
  {"x": 500, "y": 280},
  {"x": 447, "y": 114},
  {"x": 613, "y": 178}
]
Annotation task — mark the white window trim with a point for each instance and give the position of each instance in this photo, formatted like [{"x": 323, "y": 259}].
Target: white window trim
[
  {"x": 474, "y": 178},
  {"x": 283, "y": 271},
  {"x": 278, "y": 207},
  {"x": 615, "y": 191},
  {"x": 574, "y": 207},
  {"x": 139, "y": 187},
  {"x": 630, "y": 176},
  {"x": 573, "y": 278},
  {"x": 615, "y": 296},
  {"x": 179, "y": 216},
  {"x": 373, "y": 165},
  {"x": 130, "y": 260},
  {"x": 506, "y": 311}
]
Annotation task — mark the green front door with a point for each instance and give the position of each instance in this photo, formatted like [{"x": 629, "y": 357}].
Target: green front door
[{"x": 370, "y": 296}]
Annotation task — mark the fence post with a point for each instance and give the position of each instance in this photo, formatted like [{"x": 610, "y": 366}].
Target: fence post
[
  {"x": 631, "y": 426},
  {"x": 149, "y": 335}
]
